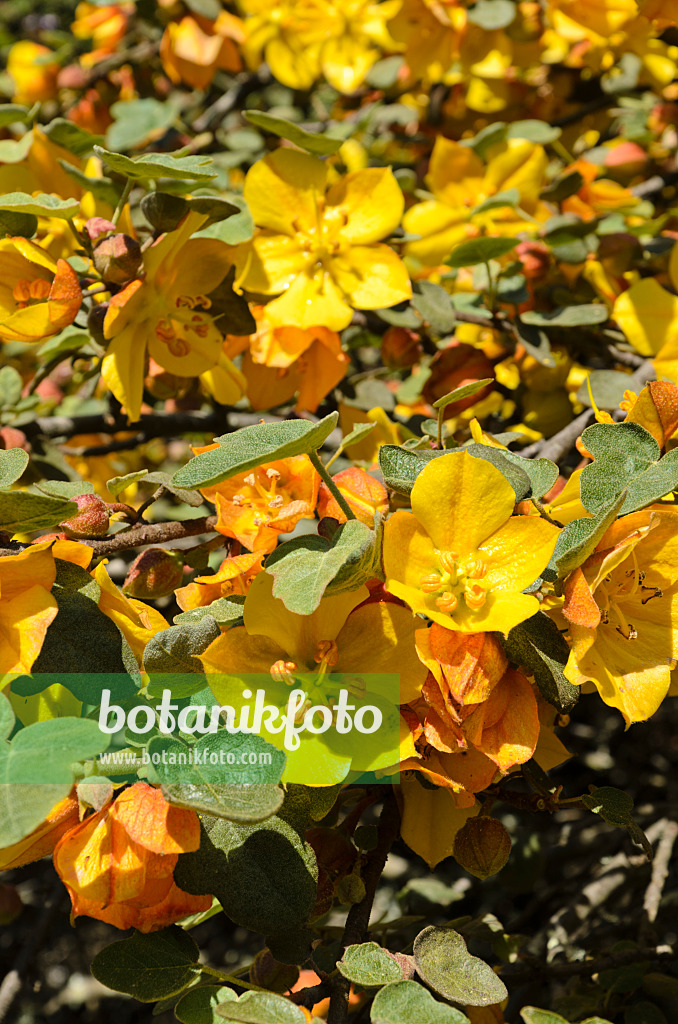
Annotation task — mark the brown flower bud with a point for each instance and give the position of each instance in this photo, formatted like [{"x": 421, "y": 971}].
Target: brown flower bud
[
  {"x": 95, "y": 322},
  {"x": 164, "y": 211},
  {"x": 535, "y": 258},
  {"x": 482, "y": 846},
  {"x": 90, "y": 521},
  {"x": 350, "y": 889},
  {"x": 267, "y": 972},
  {"x": 154, "y": 573},
  {"x": 118, "y": 258},
  {"x": 400, "y": 348}
]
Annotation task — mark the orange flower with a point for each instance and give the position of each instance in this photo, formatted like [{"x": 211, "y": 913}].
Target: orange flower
[
  {"x": 597, "y": 196},
  {"x": 26, "y": 605},
  {"x": 655, "y": 408},
  {"x": 42, "y": 840},
  {"x": 105, "y": 26},
  {"x": 365, "y": 496},
  {"x": 234, "y": 576},
  {"x": 258, "y": 506},
  {"x": 194, "y": 49},
  {"x": 117, "y": 864},
  {"x": 33, "y": 73},
  {"x": 38, "y": 295},
  {"x": 280, "y": 362}
]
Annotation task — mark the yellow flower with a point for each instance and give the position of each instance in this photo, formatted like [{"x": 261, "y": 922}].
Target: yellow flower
[
  {"x": 591, "y": 17},
  {"x": 194, "y": 49},
  {"x": 38, "y": 295},
  {"x": 303, "y": 39},
  {"x": 26, "y": 605},
  {"x": 32, "y": 72},
  {"x": 648, "y": 316},
  {"x": 166, "y": 316},
  {"x": 136, "y": 620},
  {"x": 432, "y": 33},
  {"x": 460, "y": 181},
  {"x": 321, "y": 248},
  {"x": 622, "y": 606},
  {"x": 104, "y": 26},
  {"x": 345, "y": 635},
  {"x": 461, "y": 558}
]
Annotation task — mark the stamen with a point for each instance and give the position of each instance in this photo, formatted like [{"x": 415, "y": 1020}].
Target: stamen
[
  {"x": 475, "y": 596},
  {"x": 431, "y": 583},
  {"x": 447, "y": 602},
  {"x": 326, "y": 653},
  {"x": 283, "y": 672}
]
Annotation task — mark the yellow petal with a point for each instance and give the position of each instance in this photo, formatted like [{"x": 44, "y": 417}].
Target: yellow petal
[
  {"x": 309, "y": 301},
  {"x": 409, "y": 553},
  {"x": 199, "y": 267},
  {"x": 519, "y": 164},
  {"x": 441, "y": 228},
  {"x": 518, "y": 552},
  {"x": 123, "y": 368},
  {"x": 346, "y": 61},
  {"x": 648, "y": 316},
  {"x": 238, "y": 652},
  {"x": 372, "y": 201},
  {"x": 378, "y": 638},
  {"x": 461, "y": 501},
  {"x": 372, "y": 277},
  {"x": 455, "y": 172},
  {"x": 431, "y": 820},
  {"x": 24, "y": 620},
  {"x": 271, "y": 263},
  {"x": 285, "y": 187}
]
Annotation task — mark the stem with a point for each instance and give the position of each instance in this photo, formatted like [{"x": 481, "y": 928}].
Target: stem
[
  {"x": 332, "y": 487},
  {"x": 230, "y": 979},
  {"x": 122, "y": 201},
  {"x": 544, "y": 514},
  {"x": 441, "y": 417}
]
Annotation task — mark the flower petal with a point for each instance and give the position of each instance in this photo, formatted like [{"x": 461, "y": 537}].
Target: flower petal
[
  {"x": 372, "y": 276},
  {"x": 284, "y": 187},
  {"x": 372, "y": 202}
]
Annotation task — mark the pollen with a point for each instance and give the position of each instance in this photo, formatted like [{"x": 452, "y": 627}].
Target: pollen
[
  {"x": 447, "y": 602},
  {"x": 430, "y": 584},
  {"x": 326, "y": 653},
  {"x": 283, "y": 672},
  {"x": 475, "y": 596}
]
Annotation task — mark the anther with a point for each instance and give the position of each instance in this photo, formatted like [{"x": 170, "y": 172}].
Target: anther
[
  {"x": 430, "y": 584},
  {"x": 447, "y": 602},
  {"x": 475, "y": 596}
]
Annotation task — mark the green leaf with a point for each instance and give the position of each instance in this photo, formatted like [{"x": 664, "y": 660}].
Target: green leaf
[
  {"x": 312, "y": 142},
  {"x": 139, "y": 122},
  {"x": 532, "y": 1015},
  {"x": 13, "y": 113},
  {"x": 261, "y": 1008},
  {"x": 210, "y": 9},
  {"x": 117, "y": 484},
  {"x": 607, "y": 388},
  {"x": 253, "y": 446},
  {"x": 304, "y": 568},
  {"x": 568, "y": 316},
  {"x": 217, "y": 783},
  {"x": 462, "y": 392},
  {"x": 71, "y": 136},
  {"x": 443, "y": 962},
  {"x": 561, "y": 188},
  {"x": 40, "y": 760},
  {"x": 65, "y": 488},
  {"x": 40, "y": 205},
  {"x": 615, "y": 806},
  {"x": 192, "y": 498},
  {"x": 199, "y": 1005},
  {"x": 400, "y": 467},
  {"x": 159, "y": 165},
  {"x": 11, "y": 386},
  {"x": 480, "y": 250},
  {"x": 534, "y": 131},
  {"x": 541, "y": 473},
  {"x": 263, "y": 875},
  {"x": 511, "y": 197},
  {"x": 513, "y": 469},
  {"x": 23, "y": 512},
  {"x": 625, "y": 456},
  {"x": 407, "y": 1002},
  {"x": 63, "y": 343},
  {"x": 13, "y": 462},
  {"x": 101, "y": 188},
  {"x": 13, "y": 151},
  {"x": 580, "y": 537},
  {"x": 23, "y": 225},
  {"x": 492, "y": 14},
  {"x": 234, "y": 229},
  {"x": 149, "y": 967},
  {"x": 536, "y": 343},
  {"x": 538, "y": 645},
  {"x": 7, "y": 719},
  {"x": 81, "y": 639},
  {"x": 225, "y": 611},
  {"x": 369, "y": 965},
  {"x": 434, "y": 305},
  {"x": 176, "y": 649}
]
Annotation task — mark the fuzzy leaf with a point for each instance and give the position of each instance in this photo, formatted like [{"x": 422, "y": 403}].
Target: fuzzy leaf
[
  {"x": 149, "y": 967},
  {"x": 408, "y": 1002},
  {"x": 369, "y": 965},
  {"x": 443, "y": 962}
]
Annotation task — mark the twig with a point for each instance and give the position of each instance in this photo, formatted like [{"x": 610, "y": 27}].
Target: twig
[
  {"x": 660, "y": 871},
  {"x": 151, "y": 533},
  {"x": 588, "y": 967},
  {"x": 556, "y": 447},
  {"x": 358, "y": 919},
  {"x": 149, "y": 425}
]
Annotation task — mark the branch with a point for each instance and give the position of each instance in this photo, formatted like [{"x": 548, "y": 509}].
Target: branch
[
  {"x": 588, "y": 967},
  {"x": 151, "y": 533},
  {"x": 358, "y": 919},
  {"x": 556, "y": 447},
  {"x": 660, "y": 871},
  {"x": 149, "y": 425}
]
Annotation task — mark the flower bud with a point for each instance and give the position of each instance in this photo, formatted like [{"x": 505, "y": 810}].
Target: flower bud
[
  {"x": 454, "y": 366},
  {"x": 90, "y": 521},
  {"x": 535, "y": 258},
  {"x": 95, "y": 321},
  {"x": 482, "y": 846},
  {"x": 164, "y": 211},
  {"x": 154, "y": 573},
  {"x": 400, "y": 348},
  {"x": 350, "y": 889},
  {"x": 267, "y": 972},
  {"x": 405, "y": 962},
  {"x": 118, "y": 258}
]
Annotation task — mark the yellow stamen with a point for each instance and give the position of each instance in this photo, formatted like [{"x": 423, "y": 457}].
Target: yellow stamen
[
  {"x": 447, "y": 602},
  {"x": 475, "y": 596},
  {"x": 283, "y": 672}
]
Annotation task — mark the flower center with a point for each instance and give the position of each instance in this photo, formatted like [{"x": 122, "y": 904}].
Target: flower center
[
  {"x": 28, "y": 293},
  {"x": 260, "y": 493},
  {"x": 457, "y": 579},
  {"x": 621, "y": 586}
]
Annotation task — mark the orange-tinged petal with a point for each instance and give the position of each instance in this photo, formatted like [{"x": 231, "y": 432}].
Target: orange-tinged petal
[
  {"x": 471, "y": 666},
  {"x": 365, "y": 496},
  {"x": 283, "y": 188},
  {"x": 372, "y": 202},
  {"x": 155, "y": 824},
  {"x": 65, "y": 297},
  {"x": 656, "y": 409},
  {"x": 431, "y": 820},
  {"x": 505, "y": 727},
  {"x": 580, "y": 607},
  {"x": 461, "y": 501},
  {"x": 42, "y": 840}
]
